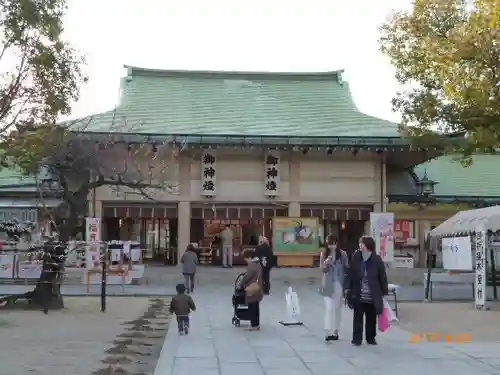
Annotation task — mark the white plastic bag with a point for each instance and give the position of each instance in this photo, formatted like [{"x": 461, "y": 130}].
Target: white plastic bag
[
  {"x": 392, "y": 315},
  {"x": 292, "y": 305}
]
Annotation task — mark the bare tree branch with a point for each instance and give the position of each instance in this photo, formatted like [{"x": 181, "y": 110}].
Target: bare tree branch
[{"x": 81, "y": 161}]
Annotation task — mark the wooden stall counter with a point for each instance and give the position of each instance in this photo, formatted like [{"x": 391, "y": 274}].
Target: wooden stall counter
[{"x": 298, "y": 260}]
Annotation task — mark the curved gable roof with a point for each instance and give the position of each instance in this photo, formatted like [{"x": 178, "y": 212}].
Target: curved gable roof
[{"x": 240, "y": 103}]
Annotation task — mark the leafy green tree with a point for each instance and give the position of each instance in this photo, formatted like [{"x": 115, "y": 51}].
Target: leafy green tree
[
  {"x": 40, "y": 76},
  {"x": 41, "y": 72},
  {"x": 447, "y": 53}
]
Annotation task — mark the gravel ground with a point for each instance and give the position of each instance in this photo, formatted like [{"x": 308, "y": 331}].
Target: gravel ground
[
  {"x": 81, "y": 340},
  {"x": 452, "y": 319}
]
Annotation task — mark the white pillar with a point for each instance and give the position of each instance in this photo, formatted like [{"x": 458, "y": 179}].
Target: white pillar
[
  {"x": 183, "y": 227},
  {"x": 294, "y": 209}
]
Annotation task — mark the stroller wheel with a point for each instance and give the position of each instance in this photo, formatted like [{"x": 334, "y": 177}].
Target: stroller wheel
[{"x": 237, "y": 323}]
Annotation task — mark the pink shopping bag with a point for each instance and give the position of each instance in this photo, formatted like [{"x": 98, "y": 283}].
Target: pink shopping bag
[{"x": 383, "y": 321}]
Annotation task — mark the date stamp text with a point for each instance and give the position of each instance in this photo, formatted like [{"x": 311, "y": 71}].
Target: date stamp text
[{"x": 421, "y": 338}]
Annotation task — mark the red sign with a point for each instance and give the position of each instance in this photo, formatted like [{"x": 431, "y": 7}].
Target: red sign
[{"x": 402, "y": 231}]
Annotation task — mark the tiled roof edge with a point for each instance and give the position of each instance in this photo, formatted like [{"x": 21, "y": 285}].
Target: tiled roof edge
[{"x": 137, "y": 71}]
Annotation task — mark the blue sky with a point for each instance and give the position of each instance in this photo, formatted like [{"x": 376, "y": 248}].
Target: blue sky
[{"x": 272, "y": 35}]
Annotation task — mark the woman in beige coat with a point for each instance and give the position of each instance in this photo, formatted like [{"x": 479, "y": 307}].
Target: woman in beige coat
[{"x": 252, "y": 284}]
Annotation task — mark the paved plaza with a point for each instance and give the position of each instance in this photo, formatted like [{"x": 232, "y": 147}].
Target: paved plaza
[{"x": 215, "y": 347}]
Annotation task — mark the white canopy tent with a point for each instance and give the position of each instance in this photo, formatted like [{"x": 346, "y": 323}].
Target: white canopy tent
[
  {"x": 468, "y": 222},
  {"x": 476, "y": 224}
]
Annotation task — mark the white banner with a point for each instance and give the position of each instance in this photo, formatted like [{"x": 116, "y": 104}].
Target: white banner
[
  {"x": 93, "y": 229},
  {"x": 403, "y": 262},
  {"x": 29, "y": 270},
  {"x": 457, "y": 253},
  {"x": 7, "y": 262},
  {"x": 382, "y": 231},
  {"x": 480, "y": 262}
]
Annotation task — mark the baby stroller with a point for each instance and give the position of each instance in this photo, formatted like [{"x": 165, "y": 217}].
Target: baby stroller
[{"x": 239, "y": 303}]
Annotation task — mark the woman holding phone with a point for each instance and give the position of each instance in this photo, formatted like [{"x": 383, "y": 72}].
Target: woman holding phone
[{"x": 334, "y": 266}]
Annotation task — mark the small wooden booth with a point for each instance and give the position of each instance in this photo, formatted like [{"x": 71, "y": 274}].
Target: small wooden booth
[{"x": 479, "y": 229}]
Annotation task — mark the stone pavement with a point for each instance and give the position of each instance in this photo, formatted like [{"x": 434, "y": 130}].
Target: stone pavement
[{"x": 215, "y": 347}]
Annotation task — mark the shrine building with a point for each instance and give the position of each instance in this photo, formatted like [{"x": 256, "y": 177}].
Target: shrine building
[
  {"x": 251, "y": 146},
  {"x": 240, "y": 148}
]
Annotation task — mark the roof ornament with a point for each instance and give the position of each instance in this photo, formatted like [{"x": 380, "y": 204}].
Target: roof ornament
[
  {"x": 340, "y": 80},
  {"x": 129, "y": 73}
]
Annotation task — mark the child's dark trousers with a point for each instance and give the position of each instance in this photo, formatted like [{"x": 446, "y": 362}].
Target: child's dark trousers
[{"x": 183, "y": 324}]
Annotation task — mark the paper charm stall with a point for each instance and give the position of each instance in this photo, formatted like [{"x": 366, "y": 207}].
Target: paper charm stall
[
  {"x": 468, "y": 244},
  {"x": 96, "y": 249}
]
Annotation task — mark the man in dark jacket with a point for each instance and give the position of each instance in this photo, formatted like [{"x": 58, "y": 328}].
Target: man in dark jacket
[
  {"x": 266, "y": 258},
  {"x": 366, "y": 285}
]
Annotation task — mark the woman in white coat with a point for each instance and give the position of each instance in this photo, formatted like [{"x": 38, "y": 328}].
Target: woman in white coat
[{"x": 334, "y": 266}]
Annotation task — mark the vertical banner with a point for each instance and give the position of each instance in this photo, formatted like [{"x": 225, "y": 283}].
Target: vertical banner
[
  {"x": 480, "y": 263},
  {"x": 382, "y": 231},
  {"x": 208, "y": 173},
  {"x": 272, "y": 174},
  {"x": 93, "y": 229},
  {"x": 93, "y": 239}
]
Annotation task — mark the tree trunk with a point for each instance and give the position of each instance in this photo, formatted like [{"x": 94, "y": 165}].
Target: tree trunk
[
  {"x": 47, "y": 292},
  {"x": 77, "y": 202}
]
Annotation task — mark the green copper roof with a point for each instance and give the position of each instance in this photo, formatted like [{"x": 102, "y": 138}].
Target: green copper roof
[
  {"x": 11, "y": 177},
  {"x": 238, "y": 103},
  {"x": 481, "y": 179}
]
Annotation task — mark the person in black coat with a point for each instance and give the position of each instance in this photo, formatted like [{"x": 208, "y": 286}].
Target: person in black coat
[
  {"x": 365, "y": 286},
  {"x": 264, "y": 252}
]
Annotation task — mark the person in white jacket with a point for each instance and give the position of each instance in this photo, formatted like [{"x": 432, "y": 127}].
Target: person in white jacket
[{"x": 334, "y": 266}]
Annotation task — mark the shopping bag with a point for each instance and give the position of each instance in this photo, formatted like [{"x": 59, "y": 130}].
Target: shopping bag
[
  {"x": 292, "y": 306},
  {"x": 390, "y": 312},
  {"x": 386, "y": 318},
  {"x": 383, "y": 322}
]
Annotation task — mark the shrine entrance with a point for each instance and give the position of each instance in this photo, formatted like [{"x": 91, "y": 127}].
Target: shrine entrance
[{"x": 248, "y": 222}]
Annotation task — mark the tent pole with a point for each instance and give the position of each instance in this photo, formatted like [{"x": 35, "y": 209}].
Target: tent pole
[{"x": 429, "y": 271}]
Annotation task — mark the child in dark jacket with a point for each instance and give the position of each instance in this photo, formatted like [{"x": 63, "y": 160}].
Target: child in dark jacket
[{"x": 182, "y": 305}]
